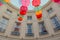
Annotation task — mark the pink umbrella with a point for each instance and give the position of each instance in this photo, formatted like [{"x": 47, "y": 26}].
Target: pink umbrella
[
  {"x": 25, "y": 2},
  {"x": 1, "y": 4}
]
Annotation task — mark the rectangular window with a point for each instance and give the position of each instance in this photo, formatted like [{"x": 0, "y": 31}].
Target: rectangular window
[
  {"x": 50, "y": 10},
  {"x": 29, "y": 31},
  {"x": 56, "y": 22},
  {"x": 3, "y": 24},
  {"x": 16, "y": 29},
  {"x": 43, "y": 30},
  {"x": 8, "y": 11},
  {"x": 29, "y": 17}
]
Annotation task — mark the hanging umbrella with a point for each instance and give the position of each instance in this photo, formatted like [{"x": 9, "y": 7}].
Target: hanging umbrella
[
  {"x": 56, "y": 1},
  {"x": 25, "y": 2},
  {"x": 36, "y": 3},
  {"x": 23, "y": 10},
  {"x": 7, "y": 1},
  {"x": 38, "y": 8},
  {"x": 39, "y": 14},
  {"x": 1, "y": 4},
  {"x": 20, "y": 18}
]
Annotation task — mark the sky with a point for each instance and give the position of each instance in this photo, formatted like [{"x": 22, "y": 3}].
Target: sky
[{"x": 18, "y": 4}]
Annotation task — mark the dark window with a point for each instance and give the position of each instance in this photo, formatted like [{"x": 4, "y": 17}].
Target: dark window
[
  {"x": 56, "y": 22},
  {"x": 3, "y": 24},
  {"x": 8, "y": 11},
  {"x": 50, "y": 10},
  {"x": 29, "y": 31},
  {"x": 16, "y": 29},
  {"x": 29, "y": 17},
  {"x": 43, "y": 30}
]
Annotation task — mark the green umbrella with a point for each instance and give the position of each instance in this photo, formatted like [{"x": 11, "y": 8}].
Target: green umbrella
[
  {"x": 3, "y": 1},
  {"x": 38, "y": 8}
]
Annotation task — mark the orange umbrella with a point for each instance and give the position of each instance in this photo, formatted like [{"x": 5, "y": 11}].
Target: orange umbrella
[
  {"x": 39, "y": 14},
  {"x": 7, "y": 1}
]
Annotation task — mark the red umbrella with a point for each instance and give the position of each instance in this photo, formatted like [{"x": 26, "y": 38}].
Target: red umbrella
[
  {"x": 36, "y": 3},
  {"x": 23, "y": 10},
  {"x": 39, "y": 16},
  {"x": 56, "y": 1},
  {"x": 20, "y": 18}
]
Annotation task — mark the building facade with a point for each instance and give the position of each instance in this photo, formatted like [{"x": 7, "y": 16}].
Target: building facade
[{"x": 48, "y": 28}]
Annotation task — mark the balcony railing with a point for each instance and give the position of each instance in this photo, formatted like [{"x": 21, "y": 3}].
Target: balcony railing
[
  {"x": 29, "y": 34},
  {"x": 43, "y": 32},
  {"x": 16, "y": 33}
]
